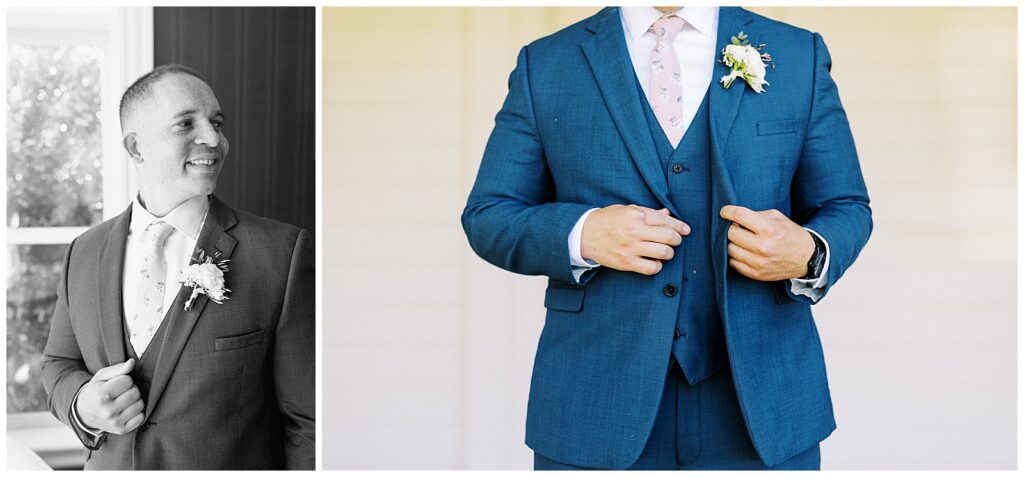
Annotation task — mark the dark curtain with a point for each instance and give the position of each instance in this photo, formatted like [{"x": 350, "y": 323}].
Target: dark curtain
[{"x": 260, "y": 63}]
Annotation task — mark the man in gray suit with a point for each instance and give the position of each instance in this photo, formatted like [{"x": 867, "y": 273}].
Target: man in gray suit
[{"x": 216, "y": 372}]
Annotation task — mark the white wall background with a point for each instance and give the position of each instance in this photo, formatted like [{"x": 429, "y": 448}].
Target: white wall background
[{"x": 428, "y": 349}]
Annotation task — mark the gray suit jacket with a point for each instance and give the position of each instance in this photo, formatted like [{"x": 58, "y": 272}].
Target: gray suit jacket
[{"x": 234, "y": 385}]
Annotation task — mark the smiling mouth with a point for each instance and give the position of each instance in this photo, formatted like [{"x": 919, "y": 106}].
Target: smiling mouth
[{"x": 203, "y": 162}]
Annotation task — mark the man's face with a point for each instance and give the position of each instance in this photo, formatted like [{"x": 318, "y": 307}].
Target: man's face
[{"x": 179, "y": 139}]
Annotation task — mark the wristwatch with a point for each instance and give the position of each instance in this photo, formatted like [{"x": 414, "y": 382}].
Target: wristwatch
[{"x": 817, "y": 261}]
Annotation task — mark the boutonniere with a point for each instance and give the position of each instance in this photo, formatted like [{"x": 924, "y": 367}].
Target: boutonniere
[
  {"x": 205, "y": 276},
  {"x": 746, "y": 62}
]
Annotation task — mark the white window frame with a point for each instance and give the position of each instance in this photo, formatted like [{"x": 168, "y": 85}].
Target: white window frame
[{"x": 126, "y": 35}]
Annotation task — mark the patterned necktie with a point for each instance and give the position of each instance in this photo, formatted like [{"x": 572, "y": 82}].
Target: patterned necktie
[
  {"x": 149, "y": 304},
  {"x": 666, "y": 91}
]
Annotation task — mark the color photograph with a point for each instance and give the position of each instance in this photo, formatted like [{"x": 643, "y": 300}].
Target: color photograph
[{"x": 670, "y": 238}]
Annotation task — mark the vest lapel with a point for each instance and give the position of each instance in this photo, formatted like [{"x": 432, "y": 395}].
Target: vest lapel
[
  {"x": 212, "y": 239},
  {"x": 609, "y": 61},
  {"x": 111, "y": 278}
]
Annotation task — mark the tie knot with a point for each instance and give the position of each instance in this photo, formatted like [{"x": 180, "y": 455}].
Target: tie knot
[
  {"x": 667, "y": 27},
  {"x": 158, "y": 231}
]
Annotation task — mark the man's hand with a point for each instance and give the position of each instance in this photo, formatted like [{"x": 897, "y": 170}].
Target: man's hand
[
  {"x": 767, "y": 246},
  {"x": 110, "y": 402},
  {"x": 631, "y": 238}
]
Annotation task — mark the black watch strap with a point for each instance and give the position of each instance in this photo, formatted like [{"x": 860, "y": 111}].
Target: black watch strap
[{"x": 817, "y": 261}]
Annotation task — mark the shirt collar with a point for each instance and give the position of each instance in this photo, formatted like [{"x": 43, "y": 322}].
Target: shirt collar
[
  {"x": 639, "y": 19},
  {"x": 187, "y": 217}
]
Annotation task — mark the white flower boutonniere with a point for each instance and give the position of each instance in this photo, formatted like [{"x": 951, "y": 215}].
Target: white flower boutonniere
[
  {"x": 205, "y": 276},
  {"x": 746, "y": 62}
]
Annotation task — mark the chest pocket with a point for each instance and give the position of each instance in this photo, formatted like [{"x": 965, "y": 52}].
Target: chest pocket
[
  {"x": 778, "y": 126},
  {"x": 228, "y": 343}
]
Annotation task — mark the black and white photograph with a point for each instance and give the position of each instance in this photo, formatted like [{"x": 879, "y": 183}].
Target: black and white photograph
[{"x": 161, "y": 238}]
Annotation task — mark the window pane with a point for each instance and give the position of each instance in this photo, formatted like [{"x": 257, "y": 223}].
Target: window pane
[
  {"x": 54, "y": 145},
  {"x": 32, "y": 280}
]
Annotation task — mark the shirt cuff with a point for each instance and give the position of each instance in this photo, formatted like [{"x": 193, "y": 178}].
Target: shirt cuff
[
  {"x": 579, "y": 264},
  {"x": 812, "y": 287},
  {"x": 78, "y": 420}
]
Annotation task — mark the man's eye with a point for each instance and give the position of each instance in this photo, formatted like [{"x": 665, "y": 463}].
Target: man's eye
[
  {"x": 218, "y": 124},
  {"x": 186, "y": 123}
]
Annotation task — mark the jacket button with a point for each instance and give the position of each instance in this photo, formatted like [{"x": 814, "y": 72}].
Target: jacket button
[
  {"x": 677, "y": 168},
  {"x": 669, "y": 290},
  {"x": 676, "y": 336},
  {"x": 144, "y": 427}
]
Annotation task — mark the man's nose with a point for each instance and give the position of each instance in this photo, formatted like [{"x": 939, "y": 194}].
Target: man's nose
[{"x": 207, "y": 135}]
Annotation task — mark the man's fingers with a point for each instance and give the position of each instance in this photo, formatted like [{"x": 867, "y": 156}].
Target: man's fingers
[
  {"x": 658, "y": 251},
  {"x": 681, "y": 228},
  {"x": 644, "y": 266},
  {"x": 116, "y": 386},
  {"x": 745, "y": 217},
  {"x": 132, "y": 410},
  {"x": 662, "y": 217},
  {"x": 654, "y": 217},
  {"x": 133, "y": 423},
  {"x": 747, "y": 257},
  {"x": 113, "y": 371},
  {"x": 744, "y": 269},
  {"x": 743, "y": 237},
  {"x": 663, "y": 235},
  {"x": 128, "y": 398}
]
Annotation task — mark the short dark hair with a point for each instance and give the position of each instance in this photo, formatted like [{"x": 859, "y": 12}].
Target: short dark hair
[{"x": 142, "y": 86}]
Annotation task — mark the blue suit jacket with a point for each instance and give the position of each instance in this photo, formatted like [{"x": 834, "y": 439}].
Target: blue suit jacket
[{"x": 572, "y": 136}]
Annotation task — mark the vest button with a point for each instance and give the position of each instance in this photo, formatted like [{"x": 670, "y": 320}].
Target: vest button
[
  {"x": 670, "y": 290},
  {"x": 677, "y": 168},
  {"x": 144, "y": 427},
  {"x": 676, "y": 336}
]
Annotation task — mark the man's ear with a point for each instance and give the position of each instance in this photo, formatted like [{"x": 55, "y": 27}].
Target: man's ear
[{"x": 131, "y": 145}]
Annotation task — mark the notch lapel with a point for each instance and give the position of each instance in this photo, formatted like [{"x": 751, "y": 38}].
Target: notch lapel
[
  {"x": 725, "y": 103},
  {"x": 724, "y": 106},
  {"x": 608, "y": 58},
  {"x": 212, "y": 239},
  {"x": 111, "y": 278}
]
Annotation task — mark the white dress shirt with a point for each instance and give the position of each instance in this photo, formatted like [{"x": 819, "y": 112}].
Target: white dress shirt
[
  {"x": 187, "y": 220},
  {"x": 694, "y": 47}
]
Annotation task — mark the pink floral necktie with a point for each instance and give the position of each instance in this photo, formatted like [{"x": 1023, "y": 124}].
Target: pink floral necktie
[
  {"x": 666, "y": 91},
  {"x": 149, "y": 303}
]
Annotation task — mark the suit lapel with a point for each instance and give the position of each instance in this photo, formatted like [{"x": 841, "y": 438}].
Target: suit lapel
[
  {"x": 111, "y": 278},
  {"x": 724, "y": 106},
  {"x": 608, "y": 58},
  {"x": 212, "y": 239},
  {"x": 725, "y": 103}
]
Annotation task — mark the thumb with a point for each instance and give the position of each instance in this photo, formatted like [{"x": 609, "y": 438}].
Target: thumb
[{"x": 110, "y": 372}]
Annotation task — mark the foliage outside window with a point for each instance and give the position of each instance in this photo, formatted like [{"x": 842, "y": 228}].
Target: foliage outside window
[{"x": 54, "y": 179}]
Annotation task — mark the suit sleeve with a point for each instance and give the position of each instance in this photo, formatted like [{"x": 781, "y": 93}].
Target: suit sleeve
[
  {"x": 511, "y": 218},
  {"x": 64, "y": 370},
  {"x": 828, "y": 194},
  {"x": 295, "y": 359}
]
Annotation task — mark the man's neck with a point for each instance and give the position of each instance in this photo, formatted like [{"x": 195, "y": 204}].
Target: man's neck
[
  {"x": 667, "y": 9},
  {"x": 157, "y": 207}
]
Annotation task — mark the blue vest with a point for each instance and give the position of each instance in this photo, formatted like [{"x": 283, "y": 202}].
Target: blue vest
[{"x": 699, "y": 345}]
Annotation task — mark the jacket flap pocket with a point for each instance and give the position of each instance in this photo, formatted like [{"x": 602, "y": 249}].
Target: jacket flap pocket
[
  {"x": 564, "y": 298},
  {"x": 240, "y": 341},
  {"x": 779, "y": 126}
]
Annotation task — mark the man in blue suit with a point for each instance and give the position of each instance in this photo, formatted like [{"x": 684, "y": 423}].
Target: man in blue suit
[{"x": 686, "y": 226}]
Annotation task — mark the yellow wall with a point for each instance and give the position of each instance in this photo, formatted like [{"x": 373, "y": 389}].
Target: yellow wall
[{"x": 428, "y": 349}]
